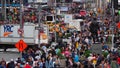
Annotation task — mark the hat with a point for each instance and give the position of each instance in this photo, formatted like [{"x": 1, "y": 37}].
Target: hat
[
  {"x": 27, "y": 63},
  {"x": 90, "y": 54},
  {"x": 12, "y": 60},
  {"x": 15, "y": 62}
]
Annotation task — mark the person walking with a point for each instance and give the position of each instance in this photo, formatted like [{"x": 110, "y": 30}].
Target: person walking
[{"x": 114, "y": 64}]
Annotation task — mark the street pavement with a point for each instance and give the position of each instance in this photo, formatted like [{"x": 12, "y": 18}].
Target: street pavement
[
  {"x": 97, "y": 48},
  {"x": 9, "y": 54},
  {"x": 14, "y": 54}
]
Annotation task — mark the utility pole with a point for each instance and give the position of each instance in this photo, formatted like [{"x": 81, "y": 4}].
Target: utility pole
[
  {"x": 21, "y": 18},
  {"x": 5, "y": 11},
  {"x": 33, "y": 3},
  {"x": 9, "y": 4},
  {"x": 55, "y": 21},
  {"x": 112, "y": 25},
  {"x": 1, "y": 6},
  {"x": 39, "y": 25}
]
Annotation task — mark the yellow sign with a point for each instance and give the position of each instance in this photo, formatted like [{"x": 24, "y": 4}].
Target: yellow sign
[{"x": 44, "y": 36}]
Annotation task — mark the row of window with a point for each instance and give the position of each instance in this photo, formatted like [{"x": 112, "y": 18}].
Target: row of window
[
  {"x": 66, "y": 1},
  {"x": 13, "y": 1}
]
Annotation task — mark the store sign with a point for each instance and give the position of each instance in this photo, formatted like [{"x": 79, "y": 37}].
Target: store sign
[
  {"x": 68, "y": 18},
  {"x": 38, "y": 1},
  {"x": 8, "y": 29},
  {"x": 63, "y": 8},
  {"x": 82, "y": 12},
  {"x": 78, "y": 0}
]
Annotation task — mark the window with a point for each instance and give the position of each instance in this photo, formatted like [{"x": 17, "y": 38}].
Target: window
[
  {"x": 68, "y": 1},
  {"x": 11, "y": 1},
  {"x": 58, "y": 1},
  {"x": 115, "y": 4},
  {"x": 49, "y": 18}
]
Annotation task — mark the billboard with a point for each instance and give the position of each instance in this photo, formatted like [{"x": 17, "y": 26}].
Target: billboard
[
  {"x": 68, "y": 18},
  {"x": 63, "y": 8},
  {"x": 78, "y": 0},
  {"x": 38, "y": 1}
]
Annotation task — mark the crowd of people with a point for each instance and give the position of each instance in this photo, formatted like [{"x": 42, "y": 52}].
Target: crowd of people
[
  {"x": 13, "y": 16},
  {"x": 73, "y": 54}
]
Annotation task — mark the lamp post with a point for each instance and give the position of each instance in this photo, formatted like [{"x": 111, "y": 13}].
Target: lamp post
[
  {"x": 112, "y": 25},
  {"x": 21, "y": 18},
  {"x": 55, "y": 21},
  {"x": 5, "y": 11},
  {"x": 39, "y": 25}
]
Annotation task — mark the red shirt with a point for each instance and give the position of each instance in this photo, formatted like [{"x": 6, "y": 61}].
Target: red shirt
[
  {"x": 27, "y": 66},
  {"x": 118, "y": 60}
]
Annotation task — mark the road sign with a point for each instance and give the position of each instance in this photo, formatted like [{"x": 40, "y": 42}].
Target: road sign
[
  {"x": 20, "y": 31},
  {"x": 21, "y": 45}
]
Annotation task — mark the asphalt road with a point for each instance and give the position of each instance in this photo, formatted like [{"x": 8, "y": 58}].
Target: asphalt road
[
  {"x": 9, "y": 54},
  {"x": 14, "y": 54},
  {"x": 97, "y": 48}
]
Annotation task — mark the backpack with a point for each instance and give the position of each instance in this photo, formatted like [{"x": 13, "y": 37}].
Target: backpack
[
  {"x": 118, "y": 52},
  {"x": 114, "y": 65}
]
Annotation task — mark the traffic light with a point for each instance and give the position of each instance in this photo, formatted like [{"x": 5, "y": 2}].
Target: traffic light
[{"x": 116, "y": 4}]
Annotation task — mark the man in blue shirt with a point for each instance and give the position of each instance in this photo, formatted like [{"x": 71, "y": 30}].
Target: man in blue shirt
[{"x": 76, "y": 59}]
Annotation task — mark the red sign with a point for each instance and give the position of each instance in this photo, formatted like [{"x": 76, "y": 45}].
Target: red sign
[
  {"x": 118, "y": 25},
  {"x": 20, "y": 31},
  {"x": 21, "y": 45},
  {"x": 82, "y": 12}
]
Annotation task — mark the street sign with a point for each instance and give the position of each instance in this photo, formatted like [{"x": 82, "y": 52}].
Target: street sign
[
  {"x": 20, "y": 31},
  {"x": 68, "y": 18},
  {"x": 21, "y": 45},
  {"x": 82, "y": 12}
]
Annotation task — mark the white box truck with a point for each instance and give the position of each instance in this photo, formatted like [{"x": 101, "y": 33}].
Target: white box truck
[
  {"x": 75, "y": 23},
  {"x": 9, "y": 34}
]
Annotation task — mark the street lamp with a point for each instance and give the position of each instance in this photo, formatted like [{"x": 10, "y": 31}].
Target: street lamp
[
  {"x": 21, "y": 18},
  {"x": 112, "y": 25},
  {"x": 55, "y": 22},
  {"x": 39, "y": 20},
  {"x": 5, "y": 10}
]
